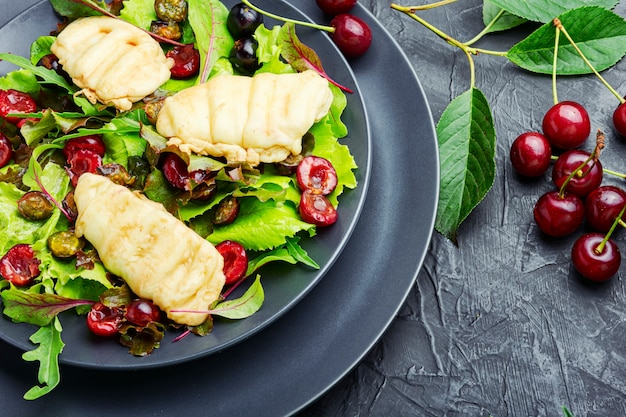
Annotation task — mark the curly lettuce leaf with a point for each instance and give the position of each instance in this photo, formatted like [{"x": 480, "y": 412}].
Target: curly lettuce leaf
[{"x": 262, "y": 225}]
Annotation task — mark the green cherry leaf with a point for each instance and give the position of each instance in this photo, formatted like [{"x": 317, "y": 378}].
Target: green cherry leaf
[
  {"x": 467, "y": 138},
  {"x": 505, "y": 22},
  {"x": 545, "y": 10},
  {"x": 599, "y": 33}
]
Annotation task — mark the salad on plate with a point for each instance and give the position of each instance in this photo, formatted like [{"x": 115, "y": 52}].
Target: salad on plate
[{"x": 154, "y": 155}]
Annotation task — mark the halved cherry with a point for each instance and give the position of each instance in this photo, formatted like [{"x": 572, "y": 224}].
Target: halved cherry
[
  {"x": 176, "y": 171},
  {"x": 82, "y": 161},
  {"x": 186, "y": 61},
  {"x": 141, "y": 312},
  {"x": 13, "y": 101},
  {"x": 104, "y": 321},
  {"x": 235, "y": 260},
  {"x": 92, "y": 143},
  {"x": 316, "y": 174},
  {"x": 6, "y": 150},
  {"x": 316, "y": 209},
  {"x": 19, "y": 265}
]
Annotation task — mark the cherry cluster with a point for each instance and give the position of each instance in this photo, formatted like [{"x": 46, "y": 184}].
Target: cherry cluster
[{"x": 579, "y": 194}]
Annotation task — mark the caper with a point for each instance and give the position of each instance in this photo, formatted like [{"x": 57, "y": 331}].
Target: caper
[
  {"x": 172, "y": 10},
  {"x": 35, "y": 205},
  {"x": 65, "y": 244},
  {"x": 116, "y": 173},
  {"x": 166, "y": 29},
  {"x": 226, "y": 211}
]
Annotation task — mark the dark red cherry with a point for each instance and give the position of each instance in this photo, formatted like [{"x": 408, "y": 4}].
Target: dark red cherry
[
  {"x": 13, "y": 101},
  {"x": 531, "y": 154},
  {"x": 6, "y": 150},
  {"x": 82, "y": 161},
  {"x": 351, "y": 35},
  {"x": 558, "y": 215},
  {"x": 335, "y": 7},
  {"x": 235, "y": 260},
  {"x": 619, "y": 119},
  {"x": 593, "y": 263},
  {"x": 19, "y": 265},
  {"x": 186, "y": 61},
  {"x": 92, "y": 143},
  {"x": 242, "y": 21},
  {"x": 585, "y": 180},
  {"x": 603, "y": 205},
  {"x": 566, "y": 125},
  {"x": 176, "y": 171},
  {"x": 104, "y": 321},
  {"x": 141, "y": 312}
]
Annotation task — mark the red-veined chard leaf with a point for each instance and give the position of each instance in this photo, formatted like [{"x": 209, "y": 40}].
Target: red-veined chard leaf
[
  {"x": 245, "y": 306},
  {"x": 47, "y": 353},
  {"x": 213, "y": 40},
  {"x": 239, "y": 308},
  {"x": 466, "y": 137},
  {"x": 39, "y": 309},
  {"x": 300, "y": 56},
  {"x": 599, "y": 33},
  {"x": 545, "y": 10},
  {"x": 504, "y": 22}
]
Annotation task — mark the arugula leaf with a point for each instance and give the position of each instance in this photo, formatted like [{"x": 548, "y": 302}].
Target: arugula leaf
[
  {"x": 599, "y": 33},
  {"x": 40, "y": 309},
  {"x": 299, "y": 254},
  {"x": 47, "y": 76},
  {"x": 291, "y": 252},
  {"x": 466, "y": 137},
  {"x": 50, "y": 347}
]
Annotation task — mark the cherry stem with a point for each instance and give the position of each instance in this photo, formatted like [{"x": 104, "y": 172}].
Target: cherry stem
[
  {"x": 554, "y": 61},
  {"x": 618, "y": 220},
  {"x": 465, "y": 47},
  {"x": 592, "y": 157},
  {"x": 560, "y": 27},
  {"x": 328, "y": 29},
  {"x": 486, "y": 29}
]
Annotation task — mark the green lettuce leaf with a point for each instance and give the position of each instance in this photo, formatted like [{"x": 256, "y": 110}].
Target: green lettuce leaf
[{"x": 262, "y": 225}]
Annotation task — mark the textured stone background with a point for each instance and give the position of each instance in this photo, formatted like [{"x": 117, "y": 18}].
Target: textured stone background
[{"x": 500, "y": 325}]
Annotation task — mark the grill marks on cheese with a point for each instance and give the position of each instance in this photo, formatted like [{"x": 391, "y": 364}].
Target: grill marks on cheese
[
  {"x": 246, "y": 119},
  {"x": 157, "y": 255},
  {"x": 114, "y": 62}
]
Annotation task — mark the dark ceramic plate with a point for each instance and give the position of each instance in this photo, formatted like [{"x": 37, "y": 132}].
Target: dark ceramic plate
[
  {"x": 302, "y": 354},
  {"x": 284, "y": 285}
]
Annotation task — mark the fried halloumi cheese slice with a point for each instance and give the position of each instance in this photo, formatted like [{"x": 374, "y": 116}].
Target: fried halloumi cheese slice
[
  {"x": 114, "y": 62},
  {"x": 246, "y": 119},
  {"x": 156, "y": 254}
]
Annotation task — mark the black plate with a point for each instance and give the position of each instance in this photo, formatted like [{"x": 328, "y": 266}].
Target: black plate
[
  {"x": 284, "y": 285},
  {"x": 301, "y": 355}
]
